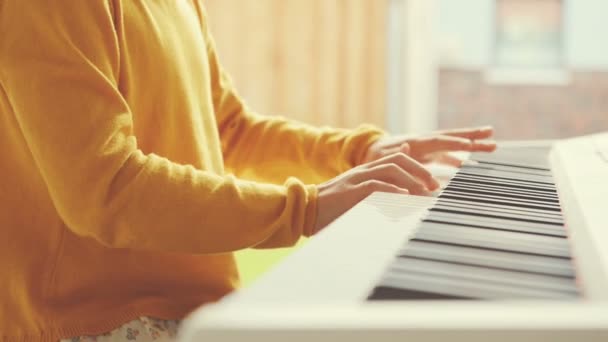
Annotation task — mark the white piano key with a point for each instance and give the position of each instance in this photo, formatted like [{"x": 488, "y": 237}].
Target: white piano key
[
  {"x": 487, "y": 258},
  {"x": 497, "y": 240}
]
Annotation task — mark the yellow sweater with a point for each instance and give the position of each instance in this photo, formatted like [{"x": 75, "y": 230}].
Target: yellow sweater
[{"x": 118, "y": 131}]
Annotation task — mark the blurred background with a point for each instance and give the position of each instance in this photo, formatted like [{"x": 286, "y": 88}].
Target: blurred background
[{"x": 534, "y": 69}]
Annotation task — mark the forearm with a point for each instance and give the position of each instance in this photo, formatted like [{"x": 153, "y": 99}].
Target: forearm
[
  {"x": 282, "y": 148},
  {"x": 272, "y": 148}
]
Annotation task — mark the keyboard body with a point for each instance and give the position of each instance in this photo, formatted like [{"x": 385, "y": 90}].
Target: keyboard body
[{"x": 323, "y": 290}]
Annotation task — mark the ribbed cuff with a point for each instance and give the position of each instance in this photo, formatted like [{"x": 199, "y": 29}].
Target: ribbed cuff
[
  {"x": 310, "y": 220},
  {"x": 356, "y": 148}
]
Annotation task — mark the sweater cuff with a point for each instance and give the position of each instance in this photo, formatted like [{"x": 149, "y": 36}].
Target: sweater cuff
[
  {"x": 311, "y": 211},
  {"x": 357, "y": 145}
]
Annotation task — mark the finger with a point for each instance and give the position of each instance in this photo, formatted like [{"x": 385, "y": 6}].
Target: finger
[
  {"x": 474, "y": 133},
  {"x": 392, "y": 174},
  {"x": 441, "y": 143},
  {"x": 390, "y": 151},
  {"x": 405, "y": 148},
  {"x": 483, "y": 146},
  {"x": 408, "y": 165},
  {"x": 395, "y": 141},
  {"x": 446, "y": 143},
  {"x": 371, "y": 186},
  {"x": 401, "y": 148},
  {"x": 447, "y": 159}
]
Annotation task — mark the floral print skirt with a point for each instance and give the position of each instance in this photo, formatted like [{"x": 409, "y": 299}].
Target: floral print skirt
[{"x": 143, "y": 329}]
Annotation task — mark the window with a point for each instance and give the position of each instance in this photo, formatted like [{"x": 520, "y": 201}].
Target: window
[{"x": 529, "y": 33}]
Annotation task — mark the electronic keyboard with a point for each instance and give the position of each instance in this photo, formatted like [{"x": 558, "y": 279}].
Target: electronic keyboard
[
  {"x": 514, "y": 246},
  {"x": 495, "y": 232}
]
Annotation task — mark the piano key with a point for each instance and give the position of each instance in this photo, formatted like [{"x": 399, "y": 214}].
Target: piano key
[
  {"x": 496, "y": 231},
  {"x": 487, "y": 258},
  {"x": 512, "y": 176},
  {"x": 505, "y": 166},
  {"x": 390, "y": 293},
  {"x": 475, "y": 282},
  {"x": 508, "y": 194},
  {"x": 495, "y": 240},
  {"x": 514, "y": 169},
  {"x": 479, "y": 160},
  {"x": 501, "y": 201},
  {"x": 532, "y": 166},
  {"x": 418, "y": 287},
  {"x": 506, "y": 222},
  {"x": 524, "y": 211},
  {"x": 551, "y": 215},
  {"x": 497, "y": 226},
  {"x": 473, "y": 233},
  {"x": 502, "y": 183},
  {"x": 502, "y": 188},
  {"x": 496, "y": 174},
  {"x": 539, "y": 163},
  {"x": 502, "y": 195},
  {"x": 503, "y": 216},
  {"x": 513, "y": 279}
]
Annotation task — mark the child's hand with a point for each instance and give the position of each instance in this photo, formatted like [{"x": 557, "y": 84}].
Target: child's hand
[
  {"x": 397, "y": 173},
  {"x": 433, "y": 147}
]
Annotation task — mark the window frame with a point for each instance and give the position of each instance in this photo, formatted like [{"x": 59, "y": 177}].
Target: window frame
[{"x": 561, "y": 64}]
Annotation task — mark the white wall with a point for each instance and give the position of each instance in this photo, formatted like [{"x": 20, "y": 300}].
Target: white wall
[
  {"x": 587, "y": 34},
  {"x": 465, "y": 33}
]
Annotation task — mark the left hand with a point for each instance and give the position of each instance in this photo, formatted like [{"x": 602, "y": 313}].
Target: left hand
[{"x": 434, "y": 147}]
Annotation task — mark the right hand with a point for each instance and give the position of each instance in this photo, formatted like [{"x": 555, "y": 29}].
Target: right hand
[{"x": 396, "y": 173}]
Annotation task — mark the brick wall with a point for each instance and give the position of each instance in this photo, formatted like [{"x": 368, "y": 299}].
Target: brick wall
[{"x": 524, "y": 111}]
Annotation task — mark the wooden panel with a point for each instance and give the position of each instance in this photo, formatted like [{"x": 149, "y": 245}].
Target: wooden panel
[{"x": 320, "y": 61}]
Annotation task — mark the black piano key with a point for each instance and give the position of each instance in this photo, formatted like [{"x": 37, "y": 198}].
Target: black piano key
[
  {"x": 505, "y": 194},
  {"x": 487, "y": 161},
  {"x": 496, "y": 207},
  {"x": 470, "y": 232},
  {"x": 475, "y": 282},
  {"x": 549, "y": 215},
  {"x": 499, "y": 195},
  {"x": 474, "y": 218},
  {"x": 521, "y": 219},
  {"x": 391, "y": 293},
  {"x": 467, "y": 180},
  {"x": 502, "y": 188},
  {"x": 462, "y": 220},
  {"x": 485, "y": 275},
  {"x": 490, "y": 259},
  {"x": 425, "y": 287},
  {"x": 495, "y": 240},
  {"x": 501, "y": 201},
  {"x": 506, "y": 175},
  {"x": 508, "y": 168},
  {"x": 504, "y": 202},
  {"x": 515, "y": 157},
  {"x": 495, "y": 232},
  {"x": 487, "y": 181},
  {"x": 474, "y": 233},
  {"x": 503, "y": 216}
]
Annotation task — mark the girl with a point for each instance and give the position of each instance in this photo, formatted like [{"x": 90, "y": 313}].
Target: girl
[{"x": 125, "y": 153}]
